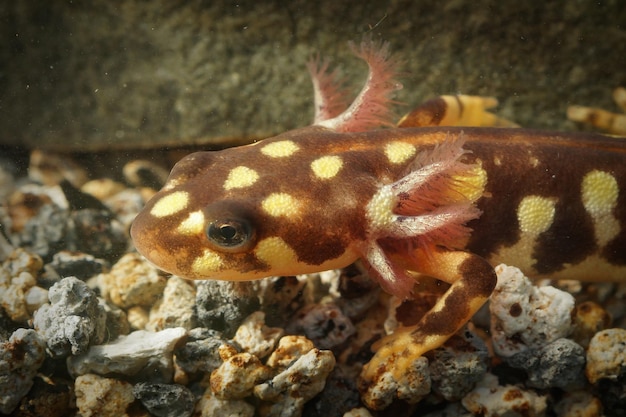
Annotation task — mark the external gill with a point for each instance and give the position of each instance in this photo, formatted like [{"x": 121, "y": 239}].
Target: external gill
[
  {"x": 419, "y": 211},
  {"x": 371, "y": 107}
]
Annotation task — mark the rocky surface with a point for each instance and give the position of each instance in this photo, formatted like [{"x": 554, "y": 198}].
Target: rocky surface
[{"x": 104, "y": 75}]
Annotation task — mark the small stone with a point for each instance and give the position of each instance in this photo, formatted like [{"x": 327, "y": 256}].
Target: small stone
[
  {"x": 290, "y": 389},
  {"x": 20, "y": 359},
  {"x": 606, "y": 356},
  {"x": 282, "y": 297},
  {"x": 165, "y": 400},
  {"x": 138, "y": 317},
  {"x": 223, "y": 305},
  {"x": 324, "y": 324},
  {"x": 176, "y": 308},
  {"x": 489, "y": 399},
  {"x": 458, "y": 365},
  {"x": 73, "y": 320},
  {"x": 255, "y": 337},
  {"x": 98, "y": 232},
  {"x": 141, "y": 354},
  {"x": 102, "y": 397},
  {"x": 50, "y": 397},
  {"x": 132, "y": 281},
  {"x": 77, "y": 264},
  {"x": 102, "y": 188},
  {"x": 201, "y": 352},
  {"x": 524, "y": 316},
  {"x": 358, "y": 412},
  {"x": 559, "y": 364},
  {"x": 578, "y": 404},
  {"x": 237, "y": 376},
  {"x": 19, "y": 294},
  {"x": 339, "y": 396},
  {"x": 590, "y": 319},
  {"x": 412, "y": 387},
  {"x": 211, "y": 406}
]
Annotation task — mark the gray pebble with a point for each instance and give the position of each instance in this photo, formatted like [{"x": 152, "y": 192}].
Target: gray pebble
[
  {"x": 20, "y": 358},
  {"x": 165, "y": 400},
  {"x": 73, "y": 320},
  {"x": 557, "y": 365},
  {"x": 223, "y": 305}
]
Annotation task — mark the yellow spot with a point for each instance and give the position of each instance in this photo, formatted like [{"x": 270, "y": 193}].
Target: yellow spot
[
  {"x": 207, "y": 264},
  {"x": 280, "y": 149},
  {"x": 280, "y": 204},
  {"x": 379, "y": 210},
  {"x": 399, "y": 152},
  {"x": 326, "y": 166},
  {"x": 240, "y": 177},
  {"x": 471, "y": 184},
  {"x": 277, "y": 253},
  {"x": 193, "y": 224},
  {"x": 533, "y": 161},
  {"x": 535, "y": 214},
  {"x": 170, "y": 204},
  {"x": 497, "y": 161},
  {"x": 599, "y": 191}
]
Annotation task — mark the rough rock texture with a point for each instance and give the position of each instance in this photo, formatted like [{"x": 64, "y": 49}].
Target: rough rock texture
[
  {"x": 20, "y": 359},
  {"x": 101, "y": 74}
]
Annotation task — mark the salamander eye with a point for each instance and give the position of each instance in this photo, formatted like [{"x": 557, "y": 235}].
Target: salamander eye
[{"x": 230, "y": 234}]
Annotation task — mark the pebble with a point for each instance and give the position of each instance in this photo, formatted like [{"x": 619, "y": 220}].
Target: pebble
[
  {"x": 412, "y": 387},
  {"x": 165, "y": 400},
  {"x": 211, "y": 406},
  {"x": 224, "y": 305},
  {"x": 458, "y": 365},
  {"x": 290, "y": 389},
  {"x": 255, "y": 337},
  {"x": 140, "y": 354},
  {"x": 578, "y": 404},
  {"x": 97, "y": 396},
  {"x": 590, "y": 319},
  {"x": 49, "y": 397},
  {"x": 524, "y": 316},
  {"x": 559, "y": 364},
  {"x": 132, "y": 282},
  {"x": 324, "y": 324},
  {"x": 236, "y": 377},
  {"x": 20, "y": 359},
  {"x": 73, "y": 320},
  {"x": 201, "y": 352},
  {"x": 20, "y": 295},
  {"x": 606, "y": 356},
  {"x": 489, "y": 399},
  {"x": 176, "y": 308},
  {"x": 77, "y": 264}
]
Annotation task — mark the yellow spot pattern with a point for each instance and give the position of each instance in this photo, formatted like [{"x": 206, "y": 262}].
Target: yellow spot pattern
[
  {"x": 399, "y": 152},
  {"x": 170, "y": 204},
  {"x": 209, "y": 263},
  {"x": 599, "y": 191},
  {"x": 379, "y": 210},
  {"x": 193, "y": 224},
  {"x": 326, "y": 167},
  {"x": 240, "y": 177},
  {"x": 280, "y": 149},
  {"x": 280, "y": 204},
  {"x": 276, "y": 253},
  {"x": 535, "y": 214},
  {"x": 471, "y": 184}
]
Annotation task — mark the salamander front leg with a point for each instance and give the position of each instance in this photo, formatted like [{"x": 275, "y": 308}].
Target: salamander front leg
[{"x": 472, "y": 279}]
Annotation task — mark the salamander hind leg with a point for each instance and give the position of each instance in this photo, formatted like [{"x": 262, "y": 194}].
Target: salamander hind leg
[{"x": 393, "y": 367}]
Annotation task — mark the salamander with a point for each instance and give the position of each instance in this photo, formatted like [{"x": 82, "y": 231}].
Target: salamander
[{"x": 447, "y": 192}]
